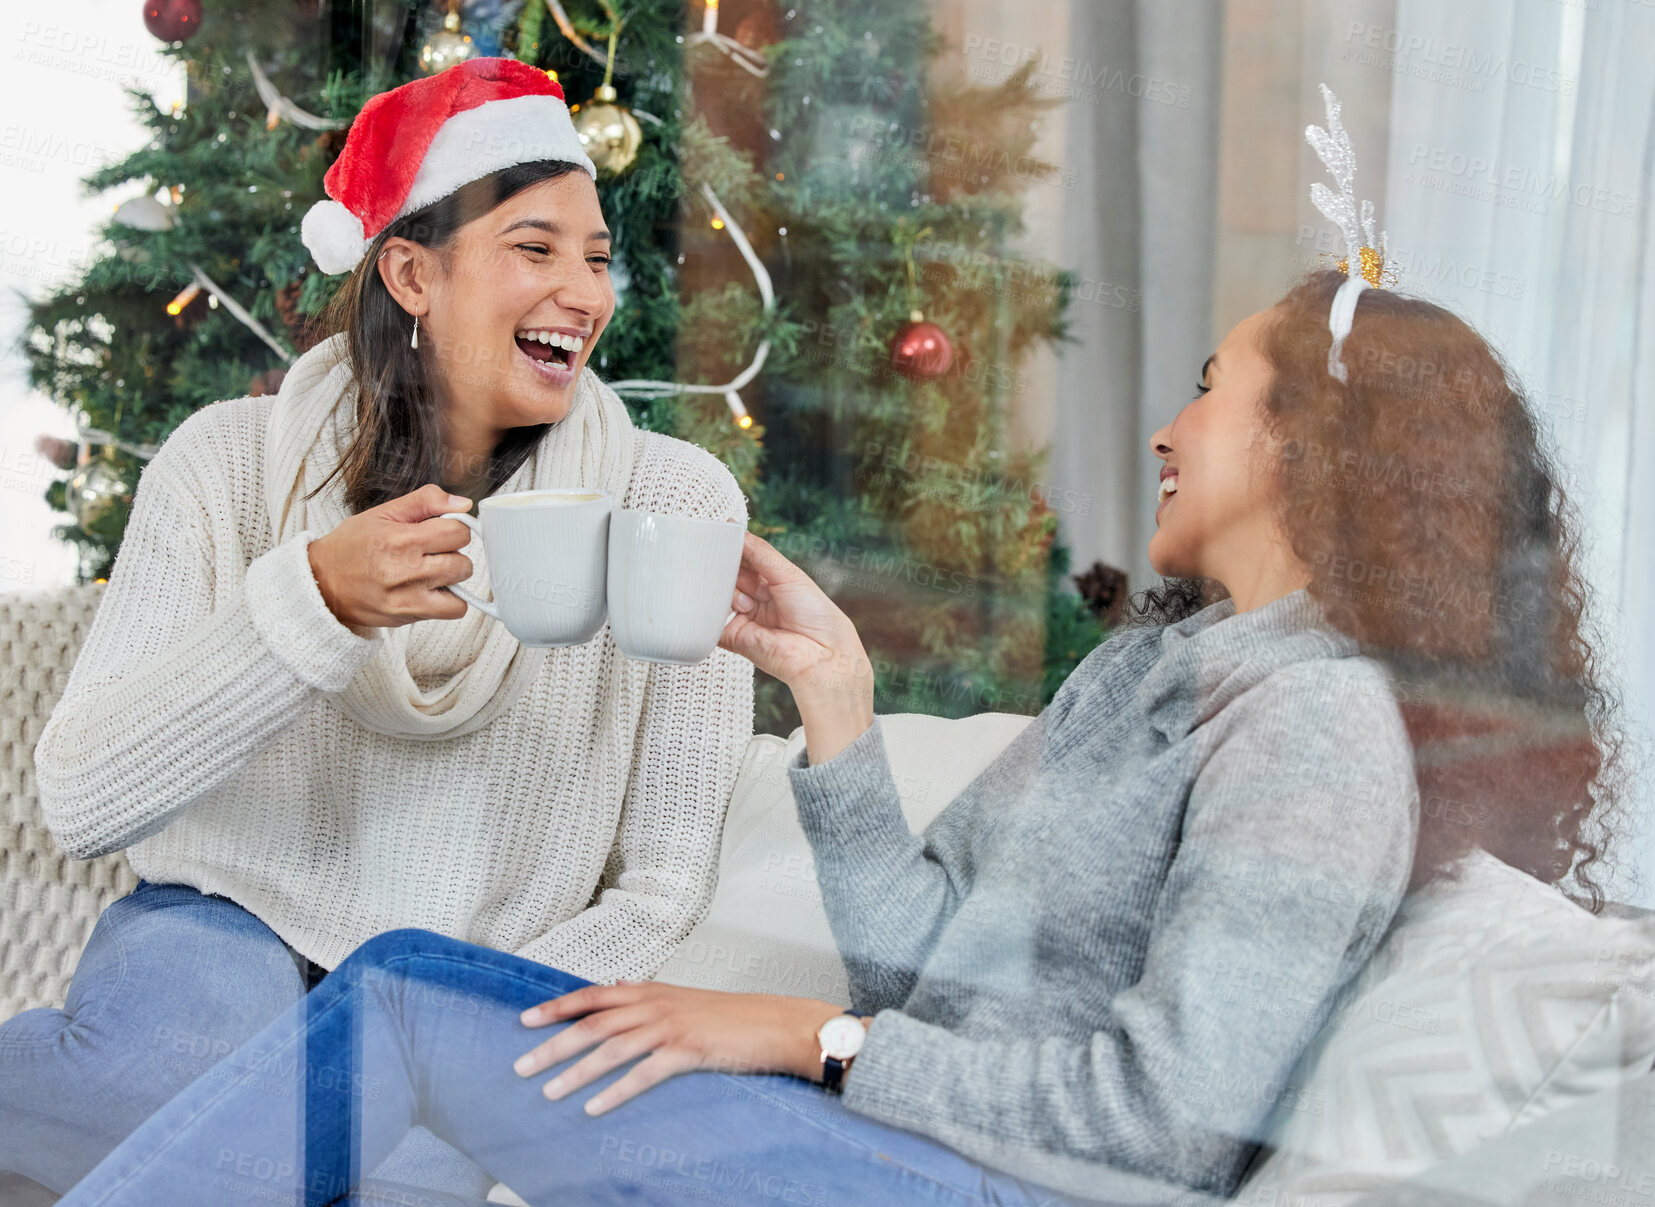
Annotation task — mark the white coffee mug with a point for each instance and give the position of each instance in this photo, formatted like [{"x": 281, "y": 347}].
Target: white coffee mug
[
  {"x": 547, "y": 551},
  {"x": 671, "y": 579}
]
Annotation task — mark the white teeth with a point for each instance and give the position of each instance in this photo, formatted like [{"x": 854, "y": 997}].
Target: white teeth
[
  {"x": 557, "y": 339},
  {"x": 1169, "y": 486}
]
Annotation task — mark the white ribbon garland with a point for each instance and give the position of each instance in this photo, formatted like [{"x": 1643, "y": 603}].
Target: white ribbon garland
[
  {"x": 567, "y": 29},
  {"x": 747, "y": 59},
  {"x": 234, "y": 307},
  {"x": 761, "y": 275},
  {"x": 144, "y": 452},
  {"x": 743, "y": 57},
  {"x": 279, "y": 105},
  {"x": 94, "y": 435}
]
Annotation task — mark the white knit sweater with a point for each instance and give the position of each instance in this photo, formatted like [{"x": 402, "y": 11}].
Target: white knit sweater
[{"x": 579, "y": 828}]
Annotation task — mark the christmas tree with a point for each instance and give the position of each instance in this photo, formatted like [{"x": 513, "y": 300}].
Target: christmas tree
[{"x": 787, "y": 190}]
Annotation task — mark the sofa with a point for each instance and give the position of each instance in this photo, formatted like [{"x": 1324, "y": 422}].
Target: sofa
[{"x": 1498, "y": 1048}]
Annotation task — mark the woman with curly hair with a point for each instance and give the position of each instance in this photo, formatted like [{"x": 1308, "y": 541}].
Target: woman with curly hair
[
  {"x": 1437, "y": 535},
  {"x": 1228, "y": 783}
]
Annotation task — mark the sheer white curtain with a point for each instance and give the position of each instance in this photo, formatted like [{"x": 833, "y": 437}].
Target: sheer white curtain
[{"x": 1519, "y": 194}]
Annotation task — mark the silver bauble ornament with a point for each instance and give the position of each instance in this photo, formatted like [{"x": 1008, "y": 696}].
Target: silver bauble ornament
[{"x": 98, "y": 491}]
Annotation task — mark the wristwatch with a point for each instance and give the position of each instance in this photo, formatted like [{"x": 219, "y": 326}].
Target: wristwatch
[{"x": 841, "y": 1038}]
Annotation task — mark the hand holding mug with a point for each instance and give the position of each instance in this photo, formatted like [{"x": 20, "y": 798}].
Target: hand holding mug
[
  {"x": 562, "y": 559},
  {"x": 786, "y": 625},
  {"x": 389, "y": 565}
]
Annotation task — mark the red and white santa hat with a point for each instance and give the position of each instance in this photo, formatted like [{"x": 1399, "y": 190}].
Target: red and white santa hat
[{"x": 418, "y": 143}]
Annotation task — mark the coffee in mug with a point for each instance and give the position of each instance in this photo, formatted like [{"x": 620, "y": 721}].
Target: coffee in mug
[
  {"x": 544, "y": 498},
  {"x": 547, "y": 553}
]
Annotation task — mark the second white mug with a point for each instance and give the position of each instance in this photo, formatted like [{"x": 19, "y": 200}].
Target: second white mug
[{"x": 671, "y": 579}]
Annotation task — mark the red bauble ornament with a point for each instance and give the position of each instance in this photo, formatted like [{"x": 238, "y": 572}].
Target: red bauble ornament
[
  {"x": 921, "y": 350},
  {"x": 172, "y": 20}
]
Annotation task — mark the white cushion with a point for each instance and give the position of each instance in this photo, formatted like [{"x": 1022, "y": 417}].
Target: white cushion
[
  {"x": 1492, "y": 1001},
  {"x": 766, "y": 931}
]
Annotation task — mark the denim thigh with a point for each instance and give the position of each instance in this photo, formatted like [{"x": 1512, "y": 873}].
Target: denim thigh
[{"x": 171, "y": 981}]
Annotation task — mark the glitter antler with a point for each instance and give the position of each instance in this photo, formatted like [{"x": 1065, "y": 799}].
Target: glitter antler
[{"x": 1364, "y": 262}]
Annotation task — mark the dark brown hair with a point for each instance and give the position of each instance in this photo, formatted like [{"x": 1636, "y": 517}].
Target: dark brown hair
[
  {"x": 398, "y": 445},
  {"x": 1437, "y": 535}
]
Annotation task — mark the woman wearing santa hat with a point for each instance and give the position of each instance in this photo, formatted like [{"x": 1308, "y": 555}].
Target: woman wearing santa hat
[{"x": 299, "y": 736}]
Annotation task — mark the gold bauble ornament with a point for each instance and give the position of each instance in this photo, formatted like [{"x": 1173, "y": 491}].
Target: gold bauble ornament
[
  {"x": 608, "y": 132},
  {"x": 99, "y": 492},
  {"x": 447, "y": 47}
]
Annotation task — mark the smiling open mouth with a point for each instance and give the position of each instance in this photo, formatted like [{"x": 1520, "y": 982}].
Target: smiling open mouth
[{"x": 550, "y": 347}]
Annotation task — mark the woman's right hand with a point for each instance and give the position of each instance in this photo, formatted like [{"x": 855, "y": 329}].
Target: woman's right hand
[
  {"x": 786, "y": 625},
  {"x": 388, "y": 565}
]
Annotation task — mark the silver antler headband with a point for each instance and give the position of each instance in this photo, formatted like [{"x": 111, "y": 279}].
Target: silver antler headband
[{"x": 1364, "y": 262}]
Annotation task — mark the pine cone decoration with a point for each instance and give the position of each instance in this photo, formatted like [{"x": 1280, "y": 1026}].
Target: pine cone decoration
[
  {"x": 61, "y": 453},
  {"x": 1104, "y": 590},
  {"x": 267, "y": 382},
  {"x": 329, "y": 144},
  {"x": 301, "y": 328}
]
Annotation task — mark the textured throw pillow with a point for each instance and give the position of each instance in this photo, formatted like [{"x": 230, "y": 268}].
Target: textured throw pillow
[{"x": 1492, "y": 1001}]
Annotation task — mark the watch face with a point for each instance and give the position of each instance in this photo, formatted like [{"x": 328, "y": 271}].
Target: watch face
[{"x": 841, "y": 1037}]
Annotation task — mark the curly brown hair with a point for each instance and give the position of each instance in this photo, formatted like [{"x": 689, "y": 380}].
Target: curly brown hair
[{"x": 1430, "y": 515}]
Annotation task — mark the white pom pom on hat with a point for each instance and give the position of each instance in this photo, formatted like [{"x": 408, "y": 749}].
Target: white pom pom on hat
[
  {"x": 416, "y": 144},
  {"x": 334, "y": 236}
]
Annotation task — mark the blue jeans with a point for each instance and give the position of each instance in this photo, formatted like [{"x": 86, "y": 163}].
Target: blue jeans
[
  {"x": 414, "y": 1028},
  {"x": 171, "y": 981}
]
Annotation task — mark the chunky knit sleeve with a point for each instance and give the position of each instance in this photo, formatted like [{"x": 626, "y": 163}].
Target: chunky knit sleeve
[
  {"x": 189, "y": 669},
  {"x": 1272, "y": 886},
  {"x": 692, "y": 730},
  {"x": 851, "y": 812}
]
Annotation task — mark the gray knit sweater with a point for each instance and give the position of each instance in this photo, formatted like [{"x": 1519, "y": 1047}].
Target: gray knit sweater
[{"x": 1099, "y": 965}]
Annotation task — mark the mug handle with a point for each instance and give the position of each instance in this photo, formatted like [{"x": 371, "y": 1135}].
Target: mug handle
[{"x": 487, "y": 609}]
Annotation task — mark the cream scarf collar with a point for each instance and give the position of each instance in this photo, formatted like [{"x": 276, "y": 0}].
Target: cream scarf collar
[{"x": 593, "y": 446}]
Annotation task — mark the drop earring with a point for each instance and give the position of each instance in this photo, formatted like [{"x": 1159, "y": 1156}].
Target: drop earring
[{"x": 414, "y": 343}]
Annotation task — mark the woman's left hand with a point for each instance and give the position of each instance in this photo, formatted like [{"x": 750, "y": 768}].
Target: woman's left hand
[{"x": 675, "y": 1030}]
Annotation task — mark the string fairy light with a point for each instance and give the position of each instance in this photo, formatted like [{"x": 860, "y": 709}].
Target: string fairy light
[{"x": 185, "y": 296}]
